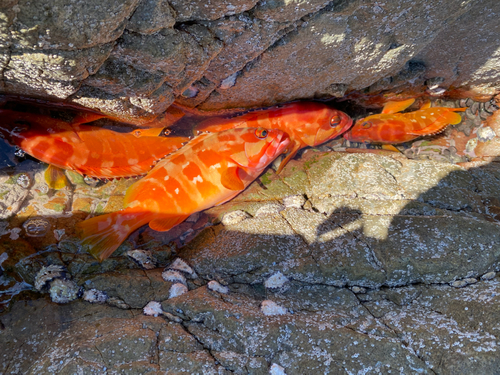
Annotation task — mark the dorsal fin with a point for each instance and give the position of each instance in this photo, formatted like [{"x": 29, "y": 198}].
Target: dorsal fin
[{"x": 393, "y": 106}]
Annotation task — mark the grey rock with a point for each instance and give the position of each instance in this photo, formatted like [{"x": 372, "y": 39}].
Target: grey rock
[
  {"x": 200, "y": 10},
  {"x": 69, "y": 25},
  {"x": 151, "y": 16}
]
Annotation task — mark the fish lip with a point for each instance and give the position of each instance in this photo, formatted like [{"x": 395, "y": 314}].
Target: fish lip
[{"x": 283, "y": 143}]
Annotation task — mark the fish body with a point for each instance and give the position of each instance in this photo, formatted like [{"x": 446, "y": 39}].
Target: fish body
[
  {"x": 307, "y": 124},
  {"x": 89, "y": 150},
  {"x": 390, "y": 127},
  {"x": 210, "y": 170}
]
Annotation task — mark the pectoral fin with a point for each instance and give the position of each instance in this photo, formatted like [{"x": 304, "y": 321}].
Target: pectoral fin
[
  {"x": 231, "y": 180},
  {"x": 393, "y": 107},
  {"x": 55, "y": 177},
  {"x": 166, "y": 223},
  {"x": 291, "y": 154},
  {"x": 151, "y": 132},
  {"x": 390, "y": 148}
]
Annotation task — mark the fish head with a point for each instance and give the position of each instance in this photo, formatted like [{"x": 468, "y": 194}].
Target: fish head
[
  {"x": 363, "y": 130},
  {"x": 259, "y": 147},
  {"x": 337, "y": 123},
  {"x": 328, "y": 124}
]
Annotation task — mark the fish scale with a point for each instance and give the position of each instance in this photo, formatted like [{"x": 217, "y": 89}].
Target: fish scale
[{"x": 209, "y": 170}]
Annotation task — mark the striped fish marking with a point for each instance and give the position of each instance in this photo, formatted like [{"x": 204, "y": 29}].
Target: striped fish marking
[
  {"x": 211, "y": 169},
  {"x": 307, "y": 124}
]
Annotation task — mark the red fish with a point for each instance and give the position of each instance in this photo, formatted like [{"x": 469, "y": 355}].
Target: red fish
[
  {"x": 209, "y": 170},
  {"x": 307, "y": 124},
  {"x": 89, "y": 150},
  {"x": 390, "y": 127}
]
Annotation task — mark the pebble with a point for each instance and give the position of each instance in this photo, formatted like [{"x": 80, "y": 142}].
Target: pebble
[
  {"x": 294, "y": 201},
  {"x": 489, "y": 275},
  {"x": 485, "y": 134},
  {"x": 269, "y": 308},
  {"x": 95, "y": 296},
  {"x": 47, "y": 274},
  {"x": 117, "y": 302},
  {"x": 64, "y": 291},
  {"x": 217, "y": 287},
  {"x": 358, "y": 289},
  {"x": 144, "y": 258},
  {"x": 153, "y": 308},
  {"x": 276, "y": 370},
  {"x": 276, "y": 281},
  {"x": 463, "y": 282},
  {"x": 234, "y": 217},
  {"x": 177, "y": 290}
]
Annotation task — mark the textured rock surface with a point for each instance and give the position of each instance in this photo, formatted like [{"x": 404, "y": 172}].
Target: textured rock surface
[
  {"x": 387, "y": 264},
  {"x": 133, "y": 59}
]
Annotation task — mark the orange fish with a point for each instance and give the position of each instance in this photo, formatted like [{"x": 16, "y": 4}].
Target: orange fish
[
  {"x": 390, "y": 127},
  {"x": 210, "y": 170},
  {"x": 89, "y": 150},
  {"x": 307, "y": 124}
]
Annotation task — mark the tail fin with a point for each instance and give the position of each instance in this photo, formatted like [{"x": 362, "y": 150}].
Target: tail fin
[{"x": 104, "y": 234}]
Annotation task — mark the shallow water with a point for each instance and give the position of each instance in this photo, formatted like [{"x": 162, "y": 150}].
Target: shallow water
[{"x": 37, "y": 223}]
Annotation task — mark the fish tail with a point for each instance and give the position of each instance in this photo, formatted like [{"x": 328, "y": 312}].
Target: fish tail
[{"x": 105, "y": 233}]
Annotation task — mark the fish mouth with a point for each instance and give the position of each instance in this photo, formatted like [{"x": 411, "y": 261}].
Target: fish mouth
[{"x": 282, "y": 141}]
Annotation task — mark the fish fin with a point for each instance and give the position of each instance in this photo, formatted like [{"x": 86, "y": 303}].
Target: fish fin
[
  {"x": 390, "y": 148},
  {"x": 105, "y": 233},
  {"x": 55, "y": 177},
  {"x": 290, "y": 155},
  {"x": 85, "y": 117},
  {"x": 231, "y": 180},
  {"x": 166, "y": 223},
  {"x": 151, "y": 132},
  {"x": 393, "y": 106},
  {"x": 426, "y": 105}
]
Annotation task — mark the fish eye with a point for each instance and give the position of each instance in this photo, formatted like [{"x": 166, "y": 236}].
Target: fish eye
[
  {"x": 261, "y": 133},
  {"x": 335, "y": 121},
  {"x": 366, "y": 125}
]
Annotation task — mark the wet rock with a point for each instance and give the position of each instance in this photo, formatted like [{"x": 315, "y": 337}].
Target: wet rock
[
  {"x": 143, "y": 257},
  {"x": 151, "y": 16}
]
